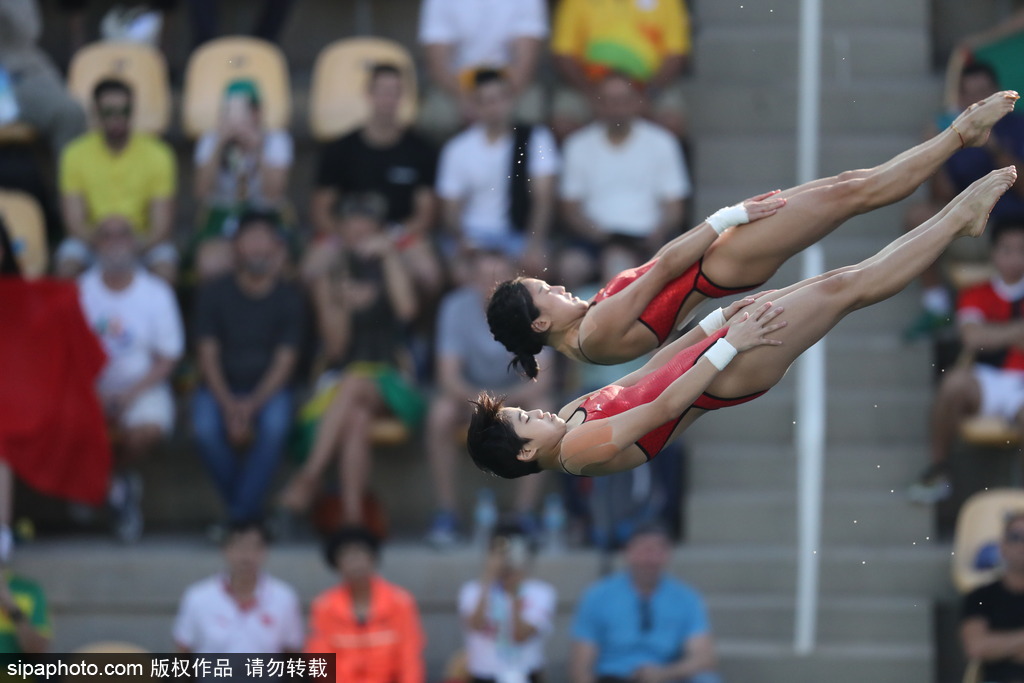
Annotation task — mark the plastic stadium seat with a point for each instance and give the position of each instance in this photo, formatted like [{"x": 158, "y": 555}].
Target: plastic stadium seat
[
  {"x": 978, "y": 526},
  {"x": 388, "y": 432},
  {"x": 338, "y": 93},
  {"x": 24, "y": 220},
  {"x": 214, "y": 65},
  {"x": 17, "y": 133},
  {"x": 991, "y": 432},
  {"x": 141, "y": 66}
]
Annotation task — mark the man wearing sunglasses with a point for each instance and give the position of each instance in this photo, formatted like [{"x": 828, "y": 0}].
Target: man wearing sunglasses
[
  {"x": 992, "y": 626},
  {"x": 641, "y": 625},
  {"x": 115, "y": 171}
]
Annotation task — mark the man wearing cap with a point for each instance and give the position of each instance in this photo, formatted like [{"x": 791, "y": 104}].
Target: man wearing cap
[
  {"x": 371, "y": 625},
  {"x": 249, "y": 327}
]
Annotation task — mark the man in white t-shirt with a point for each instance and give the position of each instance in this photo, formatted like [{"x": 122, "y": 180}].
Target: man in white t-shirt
[
  {"x": 506, "y": 615},
  {"x": 460, "y": 37},
  {"x": 243, "y": 609},
  {"x": 136, "y": 318},
  {"x": 625, "y": 178},
  {"x": 477, "y": 181}
]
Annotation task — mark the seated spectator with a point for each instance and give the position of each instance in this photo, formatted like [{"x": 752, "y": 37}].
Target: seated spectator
[
  {"x": 248, "y": 328},
  {"x": 468, "y": 360},
  {"x": 363, "y": 301},
  {"x": 506, "y": 615},
  {"x": 1005, "y": 146},
  {"x": 136, "y": 317},
  {"x": 243, "y": 608},
  {"x": 990, "y": 326},
  {"x": 115, "y": 171},
  {"x": 992, "y": 617},
  {"x": 271, "y": 21},
  {"x": 42, "y": 100},
  {"x": 240, "y": 167},
  {"x": 648, "y": 41},
  {"x": 491, "y": 197},
  {"x": 372, "y": 626},
  {"x": 625, "y": 178},
  {"x": 386, "y": 158},
  {"x": 24, "y": 616},
  {"x": 460, "y": 37},
  {"x": 642, "y": 624}
]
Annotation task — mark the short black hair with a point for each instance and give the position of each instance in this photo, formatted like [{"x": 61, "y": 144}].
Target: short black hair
[
  {"x": 108, "y": 85},
  {"x": 980, "y": 68},
  {"x": 254, "y": 218},
  {"x": 1000, "y": 228},
  {"x": 349, "y": 536},
  {"x": 383, "y": 69},
  {"x": 240, "y": 527},
  {"x": 1010, "y": 519},
  {"x": 482, "y": 77},
  {"x": 650, "y": 528},
  {"x": 8, "y": 263},
  {"x": 492, "y": 442}
]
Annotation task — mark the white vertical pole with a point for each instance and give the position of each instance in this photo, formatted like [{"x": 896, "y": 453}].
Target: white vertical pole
[{"x": 810, "y": 420}]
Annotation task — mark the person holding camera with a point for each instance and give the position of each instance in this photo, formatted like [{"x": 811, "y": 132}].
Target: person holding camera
[{"x": 507, "y": 615}]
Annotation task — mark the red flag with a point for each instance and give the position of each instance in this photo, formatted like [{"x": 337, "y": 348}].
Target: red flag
[{"x": 52, "y": 429}]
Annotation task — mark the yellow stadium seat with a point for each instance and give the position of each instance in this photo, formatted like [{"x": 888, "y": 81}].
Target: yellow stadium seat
[
  {"x": 964, "y": 274},
  {"x": 27, "y": 229},
  {"x": 990, "y": 431},
  {"x": 17, "y": 133},
  {"x": 388, "y": 432},
  {"x": 143, "y": 67},
  {"x": 980, "y": 523},
  {"x": 219, "y": 62},
  {"x": 338, "y": 92}
]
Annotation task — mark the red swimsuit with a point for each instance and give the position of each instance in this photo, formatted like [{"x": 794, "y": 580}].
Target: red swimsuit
[
  {"x": 614, "y": 399},
  {"x": 660, "y": 315}
]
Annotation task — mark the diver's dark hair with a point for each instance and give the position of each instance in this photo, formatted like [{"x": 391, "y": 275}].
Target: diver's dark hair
[
  {"x": 510, "y": 314},
  {"x": 493, "y": 443}
]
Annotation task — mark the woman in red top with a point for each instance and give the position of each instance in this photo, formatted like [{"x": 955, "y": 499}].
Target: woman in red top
[
  {"x": 637, "y": 310},
  {"x": 624, "y": 424}
]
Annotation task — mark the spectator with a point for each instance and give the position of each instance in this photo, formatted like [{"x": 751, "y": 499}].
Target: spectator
[
  {"x": 990, "y": 326},
  {"x": 43, "y": 101},
  {"x": 115, "y": 171},
  {"x": 363, "y": 301},
  {"x": 136, "y": 317},
  {"x": 241, "y": 166},
  {"x": 386, "y": 158},
  {"x": 268, "y": 26},
  {"x": 460, "y": 37},
  {"x": 372, "y": 626},
  {"x": 642, "y": 624},
  {"x": 491, "y": 196},
  {"x": 24, "y": 617},
  {"x": 1005, "y": 146},
  {"x": 468, "y": 359},
  {"x": 625, "y": 178},
  {"x": 249, "y": 328},
  {"x": 506, "y": 615},
  {"x": 649, "y": 41},
  {"x": 243, "y": 609},
  {"x": 992, "y": 619}
]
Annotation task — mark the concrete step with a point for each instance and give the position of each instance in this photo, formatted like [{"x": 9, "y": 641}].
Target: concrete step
[
  {"x": 774, "y": 662},
  {"x": 912, "y": 14},
  {"x": 741, "y": 466},
  {"x": 848, "y": 517},
  {"x": 769, "y": 52}
]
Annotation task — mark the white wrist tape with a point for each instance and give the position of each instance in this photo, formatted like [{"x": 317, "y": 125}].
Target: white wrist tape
[
  {"x": 712, "y": 322},
  {"x": 728, "y": 217},
  {"x": 720, "y": 354}
]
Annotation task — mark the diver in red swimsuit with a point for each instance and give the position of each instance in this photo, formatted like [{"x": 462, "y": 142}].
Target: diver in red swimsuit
[
  {"x": 722, "y": 362},
  {"x": 721, "y": 256}
]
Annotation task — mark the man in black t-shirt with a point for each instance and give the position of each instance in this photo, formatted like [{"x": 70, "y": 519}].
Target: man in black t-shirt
[
  {"x": 992, "y": 624},
  {"x": 248, "y": 328},
  {"x": 386, "y": 158}
]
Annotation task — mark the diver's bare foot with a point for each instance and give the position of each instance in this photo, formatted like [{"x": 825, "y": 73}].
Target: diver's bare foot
[
  {"x": 975, "y": 123},
  {"x": 983, "y": 195}
]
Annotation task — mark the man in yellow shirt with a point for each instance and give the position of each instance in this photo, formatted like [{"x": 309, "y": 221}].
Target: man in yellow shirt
[
  {"x": 646, "y": 40},
  {"x": 114, "y": 171}
]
